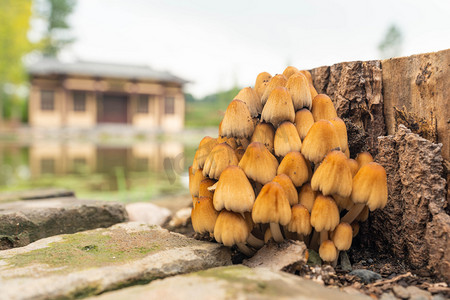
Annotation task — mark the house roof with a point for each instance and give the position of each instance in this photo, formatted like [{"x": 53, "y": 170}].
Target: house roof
[{"x": 49, "y": 66}]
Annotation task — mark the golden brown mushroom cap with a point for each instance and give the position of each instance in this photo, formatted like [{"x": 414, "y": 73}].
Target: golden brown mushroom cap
[
  {"x": 321, "y": 139},
  {"x": 325, "y": 214},
  {"x": 313, "y": 91},
  {"x": 221, "y": 156},
  {"x": 230, "y": 228},
  {"x": 353, "y": 164},
  {"x": 342, "y": 236},
  {"x": 289, "y": 188},
  {"x": 306, "y": 196},
  {"x": 333, "y": 176},
  {"x": 370, "y": 186},
  {"x": 323, "y": 108},
  {"x": 194, "y": 185},
  {"x": 300, "y": 220},
  {"x": 237, "y": 122},
  {"x": 204, "y": 148},
  {"x": 279, "y": 107},
  {"x": 264, "y": 133},
  {"x": 286, "y": 139},
  {"x": 289, "y": 71},
  {"x": 203, "y": 215},
  {"x": 271, "y": 205},
  {"x": 363, "y": 158},
  {"x": 296, "y": 167},
  {"x": 251, "y": 99},
  {"x": 262, "y": 80},
  {"x": 308, "y": 76},
  {"x": 276, "y": 81},
  {"x": 298, "y": 88},
  {"x": 303, "y": 122},
  {"x": 327, "y": 251},
  {"x": 341, "y": 131},
  {"x": 234, "y": 192},
  {"x": 204, "y": 185},
  {"x": 258, "y": 163}
]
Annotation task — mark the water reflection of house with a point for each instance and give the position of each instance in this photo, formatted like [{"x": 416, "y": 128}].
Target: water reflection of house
[
  {"x": 70, "y": 158},
  {"x": 86, "y": 94}
]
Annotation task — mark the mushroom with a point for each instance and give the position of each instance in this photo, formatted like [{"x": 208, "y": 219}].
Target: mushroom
[
  {"x": 321, "y": 139},
  {"x": 343, "y": 202},
  {"x": 363, "y": 158},
  {"x": 197, "y": 178},
  {"x": 204, "y": 148},
  {"x": 313, "y": 91},
  {"x": 204, "y": 185},
  {"x": 279, "y": 107},
  {"x": 221, "y": 156},
  {"x": 262, "y": 80},
  {"x": 369, "y": 188},
  {"x": 276, "y": 81},
  {"x": 327, "y": 251},
  {"x": 239, "y": 152},
  {"x": 353, "y": 164},
  {"x": 308, "y": 76},
  {"x": 300, "y": 221},
  {"x": 303, "y": 122},
  {"x": 341, "y": 131},
  {"x": 258, "y": 163},
  {"x": 323, "y": 108},
  {"x": 289, "y": 188},
  {"x": 298, "y": 88},
  {"x": 264, "y": 133},
  {"x": 203, "y": 215},
  {"x": 272, "y": 206},
  {"x": 237, "y": 121},
  {"x": 289, "y": 71},
  {"x": 333, "y": 176},
  {"x": 286, "y": 139},
  {"x": 251, "y": 99},
  {"x": 268, "y": 235},
  {"x": 230, "y": 141},
  {"x": 342, "y": 238},
  {"x": 234, "y": 192},
  {"x": 306, "y": 196},
  {"x": 324, "y": 216},
  {"x": 231, "y": 229},
  {"x": 296, "y": 167},
  {"x": 364, "y": 215}
]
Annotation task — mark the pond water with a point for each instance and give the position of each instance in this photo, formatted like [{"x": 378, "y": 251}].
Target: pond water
[{"x": 138, "y": 171}]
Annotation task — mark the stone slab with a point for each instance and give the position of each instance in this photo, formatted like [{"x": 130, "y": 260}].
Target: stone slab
[
  {"x": 23, "y": 222},
  {"x": 92, "y": 262},
  {"x": 232, "y": 282},
  {"x": 43, "y": 193}
]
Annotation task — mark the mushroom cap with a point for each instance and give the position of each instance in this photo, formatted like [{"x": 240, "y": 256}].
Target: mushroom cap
[
  {"x": 343, "y": 202},
  {"x": 342, "y": 236},
  {"x": 289, "y": 71},
  {"x": 333, "y": 176},
  {"x": 276, "y": 81},
  {"x": 251, "y": 99},
  {"x": 262, "y": 80},
  {"x": 323, "y": 108},
  {"x": 286, "y": 139},
  {"x": 230, "y": 141},
  {"x": 353, "y": 164},
  {"x": 279, "y": 107},
  {"x": 203, "y": 215},
  {"x": 296, "y": 167},
  {"x": 363, "y": 158},
  {"x": 272, "y": 205},
  {"x": 239, "y": 152},
  {"x": 303, "y": 122},
  {"x": 341, "y": 131},
  {"x": 300, "y": 220},
  {"x": 298, "y": 88},
  {"x": 237, "y": 121},
  {"x": 370, "y": 186},
  {"x": 204, "y": 148},
  {"x": 204, "y": 185},
  {"x": 289, "y": 188},
  {"x": 234, "y": 192},
  {"x": 196, "y": 179},
  {"x": 313, "y": 91},
  {"x": 264, "y": 133},
  {"x": 324, "y": 214},
  {"x": 321, "y": 139},
  {"x": 221, "y": 156},
  {"x": 230, "y": 228},
  {"x": 327, "y": 251},
  {"x": 308, "y": 76},
  {"x": 258, "y": 163},
  {"x": 306, "y": 196}
]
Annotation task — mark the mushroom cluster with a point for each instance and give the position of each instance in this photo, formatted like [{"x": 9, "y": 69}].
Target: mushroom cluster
[{"x": 281, "y": 168}]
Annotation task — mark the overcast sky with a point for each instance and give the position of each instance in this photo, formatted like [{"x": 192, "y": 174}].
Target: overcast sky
[{"x": 215, "y": 44}]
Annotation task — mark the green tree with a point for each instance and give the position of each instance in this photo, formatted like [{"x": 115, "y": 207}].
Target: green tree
[{"x": 391, "y": 45}]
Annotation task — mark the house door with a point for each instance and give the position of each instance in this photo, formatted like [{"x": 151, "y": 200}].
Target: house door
[{"x": 112, "y": 109}]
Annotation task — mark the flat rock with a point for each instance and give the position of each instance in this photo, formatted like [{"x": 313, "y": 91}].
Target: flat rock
[
  {"x": 43, "y": 193},
  {"x": 95, "y": 261},
  {"x": 147, "y": 213},
  {"x": 232, "y": 282},
  {"x": 26, "y": 221}
]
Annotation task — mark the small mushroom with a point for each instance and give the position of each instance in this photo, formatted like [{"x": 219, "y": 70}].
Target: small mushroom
[
  {"x": 308, "y": 76},
  {"x": 195, "y": 186},
  {"x": 221, "y": 156},
  {"x": 303, "y": 122},
  {"x": 342, "y": 238},
  {"x": 251, "y": 99},
  {"x": 321, "y": 139},
  {"x": 306, "y": 196},
  {"x": 262, "y": 80},
  {"x": 204, "y": 148},
  {"x": 279, "y": 107},
  {"x": 324, "y": 215},
  {"x": 353, "y": 164},
  {"x": 264, "y": 133},
  {"x": 231, "y": 229},
  {"x": 289, "y": 188},
  {"x": 300, "y": 221},
  {"x": 276, "y": 81},
  {"x": 230, "y": 141},
  {"x": 258, "y": 163},
  {"x": 313, "y": 91},
  {"x": 323, "y": 108},
  {"x": 363, "y": 158},
  {"x": 237, "y": 121},
  {"x": 296, "y": 167},
  {"x": 203, "y": 215},
  {"x": 327, "y": 251},
  {"x": 341, "y": 131},
  {"x": 286, "y": 139},
  {"x": 298, "y": 88},
  {"x": 289, "y": 71}
]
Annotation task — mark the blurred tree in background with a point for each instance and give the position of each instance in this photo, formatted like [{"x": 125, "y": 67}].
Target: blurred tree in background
[
  {"x": 15, "y": 19},
  {"x": 391, "y": 45}
]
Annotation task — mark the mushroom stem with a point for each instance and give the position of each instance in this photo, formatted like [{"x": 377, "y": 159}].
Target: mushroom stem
[
  {"x": 323, "y": 236},
  {"x": 254, "y": 241},
  {"x": 300, "y": 237},
  {"x": 276, "y": 232},
  {"x": 334, "y": 263},
  {"x": 314, "y": 243},
  {"x": 353, "y": 213},
  {"x": 245, "y": 249}
]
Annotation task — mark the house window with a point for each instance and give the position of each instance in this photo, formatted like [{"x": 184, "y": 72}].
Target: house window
[
  {"x": 169, "y": 106},
  {"x": 79, "y": 101},
  {"x": 142, "y": 105},
  {"x": 47, "y": 100}
]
